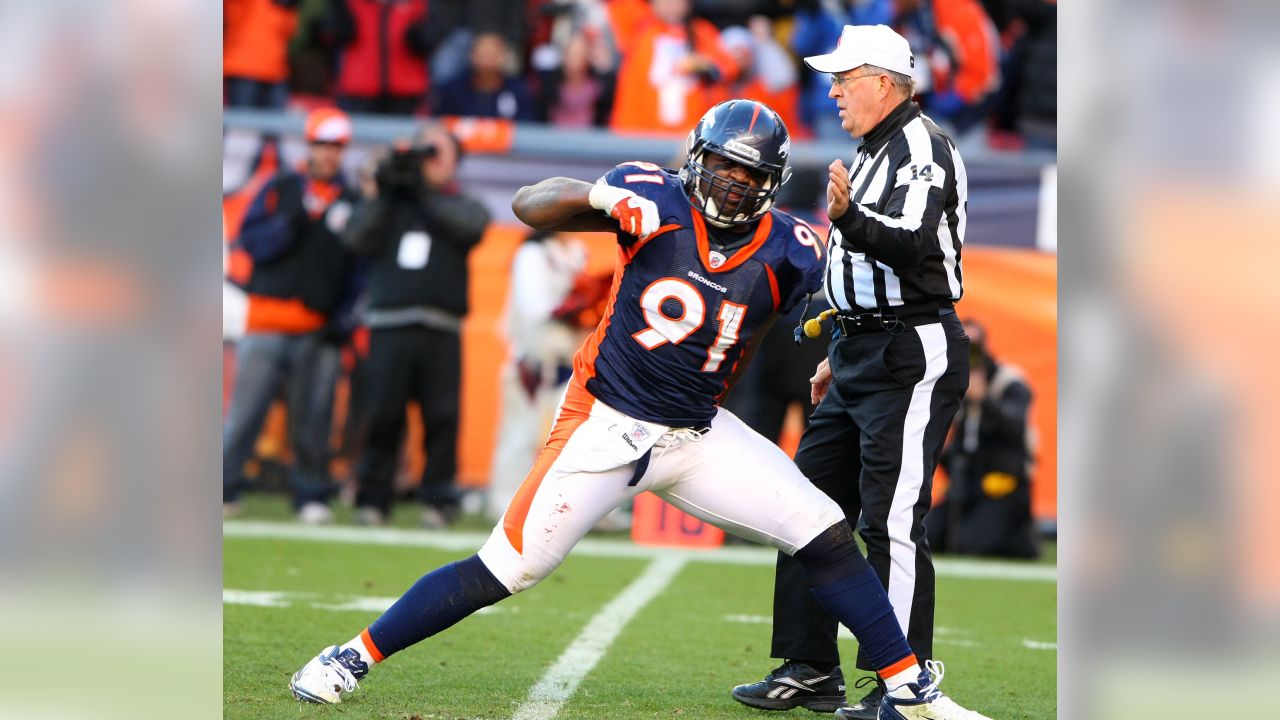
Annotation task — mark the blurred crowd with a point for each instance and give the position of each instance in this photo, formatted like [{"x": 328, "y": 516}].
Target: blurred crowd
[{"x": 636, "y": 66}]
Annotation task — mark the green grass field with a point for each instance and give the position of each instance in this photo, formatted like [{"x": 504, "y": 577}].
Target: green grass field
[{"x": 289, "y": 591}]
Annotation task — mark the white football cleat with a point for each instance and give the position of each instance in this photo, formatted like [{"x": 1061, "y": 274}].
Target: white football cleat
[
  {"x": 924, "y": 701},
  {"x": 328, "y": 675}
]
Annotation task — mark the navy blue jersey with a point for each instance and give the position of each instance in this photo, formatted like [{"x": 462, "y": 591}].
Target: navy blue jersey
[{"x": 680, "y": 313}]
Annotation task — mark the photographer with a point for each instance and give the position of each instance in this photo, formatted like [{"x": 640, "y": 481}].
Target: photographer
[
  {"x": 416, "y": 229},
  {"x": 988, "y": 458}
]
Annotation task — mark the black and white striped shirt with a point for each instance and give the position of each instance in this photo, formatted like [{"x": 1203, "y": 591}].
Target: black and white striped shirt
[{"x": 899, "y": 242}]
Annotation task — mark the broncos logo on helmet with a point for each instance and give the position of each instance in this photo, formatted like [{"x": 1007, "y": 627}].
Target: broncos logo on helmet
[{"x": 746, "y": 132}]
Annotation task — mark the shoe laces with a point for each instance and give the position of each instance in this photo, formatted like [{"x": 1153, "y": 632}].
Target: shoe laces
[
  {"x": 782, "y": 669},
  {"x": 786, "y": 668},
  {"x": 936, "y": 671},
  {"x": 871, "y": 680},
  {"x": 934, "y": 696},
  {"x": 345, "y": 674}
]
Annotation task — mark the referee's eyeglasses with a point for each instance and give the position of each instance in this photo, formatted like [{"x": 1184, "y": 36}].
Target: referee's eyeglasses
[{"x": 842, "y": 79}]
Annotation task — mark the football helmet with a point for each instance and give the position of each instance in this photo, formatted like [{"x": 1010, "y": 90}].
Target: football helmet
[{"x": 746, "y": 132}]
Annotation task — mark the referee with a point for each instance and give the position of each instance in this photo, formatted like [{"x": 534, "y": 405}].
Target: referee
[{"x": 896, "y": 370}]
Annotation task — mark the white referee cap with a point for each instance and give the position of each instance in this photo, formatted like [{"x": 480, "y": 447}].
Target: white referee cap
[{"x": 861, "y": 45}]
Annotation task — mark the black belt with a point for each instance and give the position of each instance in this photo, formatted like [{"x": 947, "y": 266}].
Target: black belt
[{"x": 891, "y": 320}]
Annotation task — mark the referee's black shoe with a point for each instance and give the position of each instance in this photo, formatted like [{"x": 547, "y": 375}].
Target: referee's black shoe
[
  {"x": 795, "y": 684},
  {"x": 868, "y": 708}
]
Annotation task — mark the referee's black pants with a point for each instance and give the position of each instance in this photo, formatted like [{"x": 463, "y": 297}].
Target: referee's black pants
[
  {"x": 411, "y": 363},
  {"x": 872, "y": 445}
]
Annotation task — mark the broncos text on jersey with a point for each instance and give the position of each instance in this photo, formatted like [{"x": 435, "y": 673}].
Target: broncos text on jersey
[{"x": 680, "y": 312}]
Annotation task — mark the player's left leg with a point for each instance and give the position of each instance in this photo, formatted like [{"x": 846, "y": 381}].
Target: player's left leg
[
  {"x": 742, "y": 483},
  {"x": 578, "y": 478}
]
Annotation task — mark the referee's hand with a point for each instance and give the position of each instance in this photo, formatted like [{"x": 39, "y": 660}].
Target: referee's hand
[
  {"x": 837, "y": 190},
  {"x": 821, "y": 380}
]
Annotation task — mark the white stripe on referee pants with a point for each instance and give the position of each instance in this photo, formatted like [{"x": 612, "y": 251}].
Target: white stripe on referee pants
[{"x": 902, "y": 551}]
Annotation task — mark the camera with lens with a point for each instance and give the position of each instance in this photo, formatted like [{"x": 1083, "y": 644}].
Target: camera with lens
[{"x": 401, "y": 172}]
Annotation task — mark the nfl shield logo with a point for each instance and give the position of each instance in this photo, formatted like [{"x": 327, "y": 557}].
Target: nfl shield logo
[
  {"x": 715, "y": 259},
  {"x": 638, "y": 433}
]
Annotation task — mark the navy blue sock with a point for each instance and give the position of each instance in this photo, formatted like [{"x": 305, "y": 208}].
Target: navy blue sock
[
  {"x": 860, "y": 602},
  {"x": 845, "y": 584},
  {"x": 437, "y": 601}
]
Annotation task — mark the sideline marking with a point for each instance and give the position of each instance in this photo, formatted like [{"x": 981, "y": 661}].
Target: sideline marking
[
  {"x": 843, "y": 633},
  {"x": 591, "y": 547},
  {"x": 559, "y": 683}
]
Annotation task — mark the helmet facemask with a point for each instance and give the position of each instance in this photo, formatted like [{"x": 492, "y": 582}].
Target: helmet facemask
[
  {"x": 710, "y": 192},
  {"x": 745, "y": 133}
]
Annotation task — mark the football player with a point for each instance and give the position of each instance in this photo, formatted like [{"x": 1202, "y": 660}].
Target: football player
[{"x": 705, "y": 262}]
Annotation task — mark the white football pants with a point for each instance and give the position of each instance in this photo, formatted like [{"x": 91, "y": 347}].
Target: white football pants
[{"x": 730, "y": 477}]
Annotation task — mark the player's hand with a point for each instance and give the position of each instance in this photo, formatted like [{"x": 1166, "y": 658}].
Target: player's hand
[
  {"x": 635, "y": 215},
  {"x": 821, "y": 380},
  {"x": 837, "y": 190}
]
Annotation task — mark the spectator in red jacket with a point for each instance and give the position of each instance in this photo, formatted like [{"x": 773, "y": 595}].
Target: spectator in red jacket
[{"x": 382, "y": 65}]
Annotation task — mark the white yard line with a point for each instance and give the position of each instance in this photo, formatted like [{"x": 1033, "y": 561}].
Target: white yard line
[
  {"x": 337, "y": 603},
  {"x": 257, "y": 598},
  {"x": 589, "y": 547},
  {"x": 559, "y": 683},
  {"x": 1037, "y": 645}
]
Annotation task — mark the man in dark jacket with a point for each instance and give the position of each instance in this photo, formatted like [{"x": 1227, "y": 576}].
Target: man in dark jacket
[
  {"x": 487, "y": 90},
  {"x": 300, "y": 296},
  {"x": 416, "y": 229},
  {"x": 987, "y": 510}
]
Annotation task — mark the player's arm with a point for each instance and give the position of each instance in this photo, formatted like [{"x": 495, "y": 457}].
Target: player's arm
[
  {"x": 749, "y": 351},
  {"x": 565, "y": 204},
  {"x": 560, "y": 204}
]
